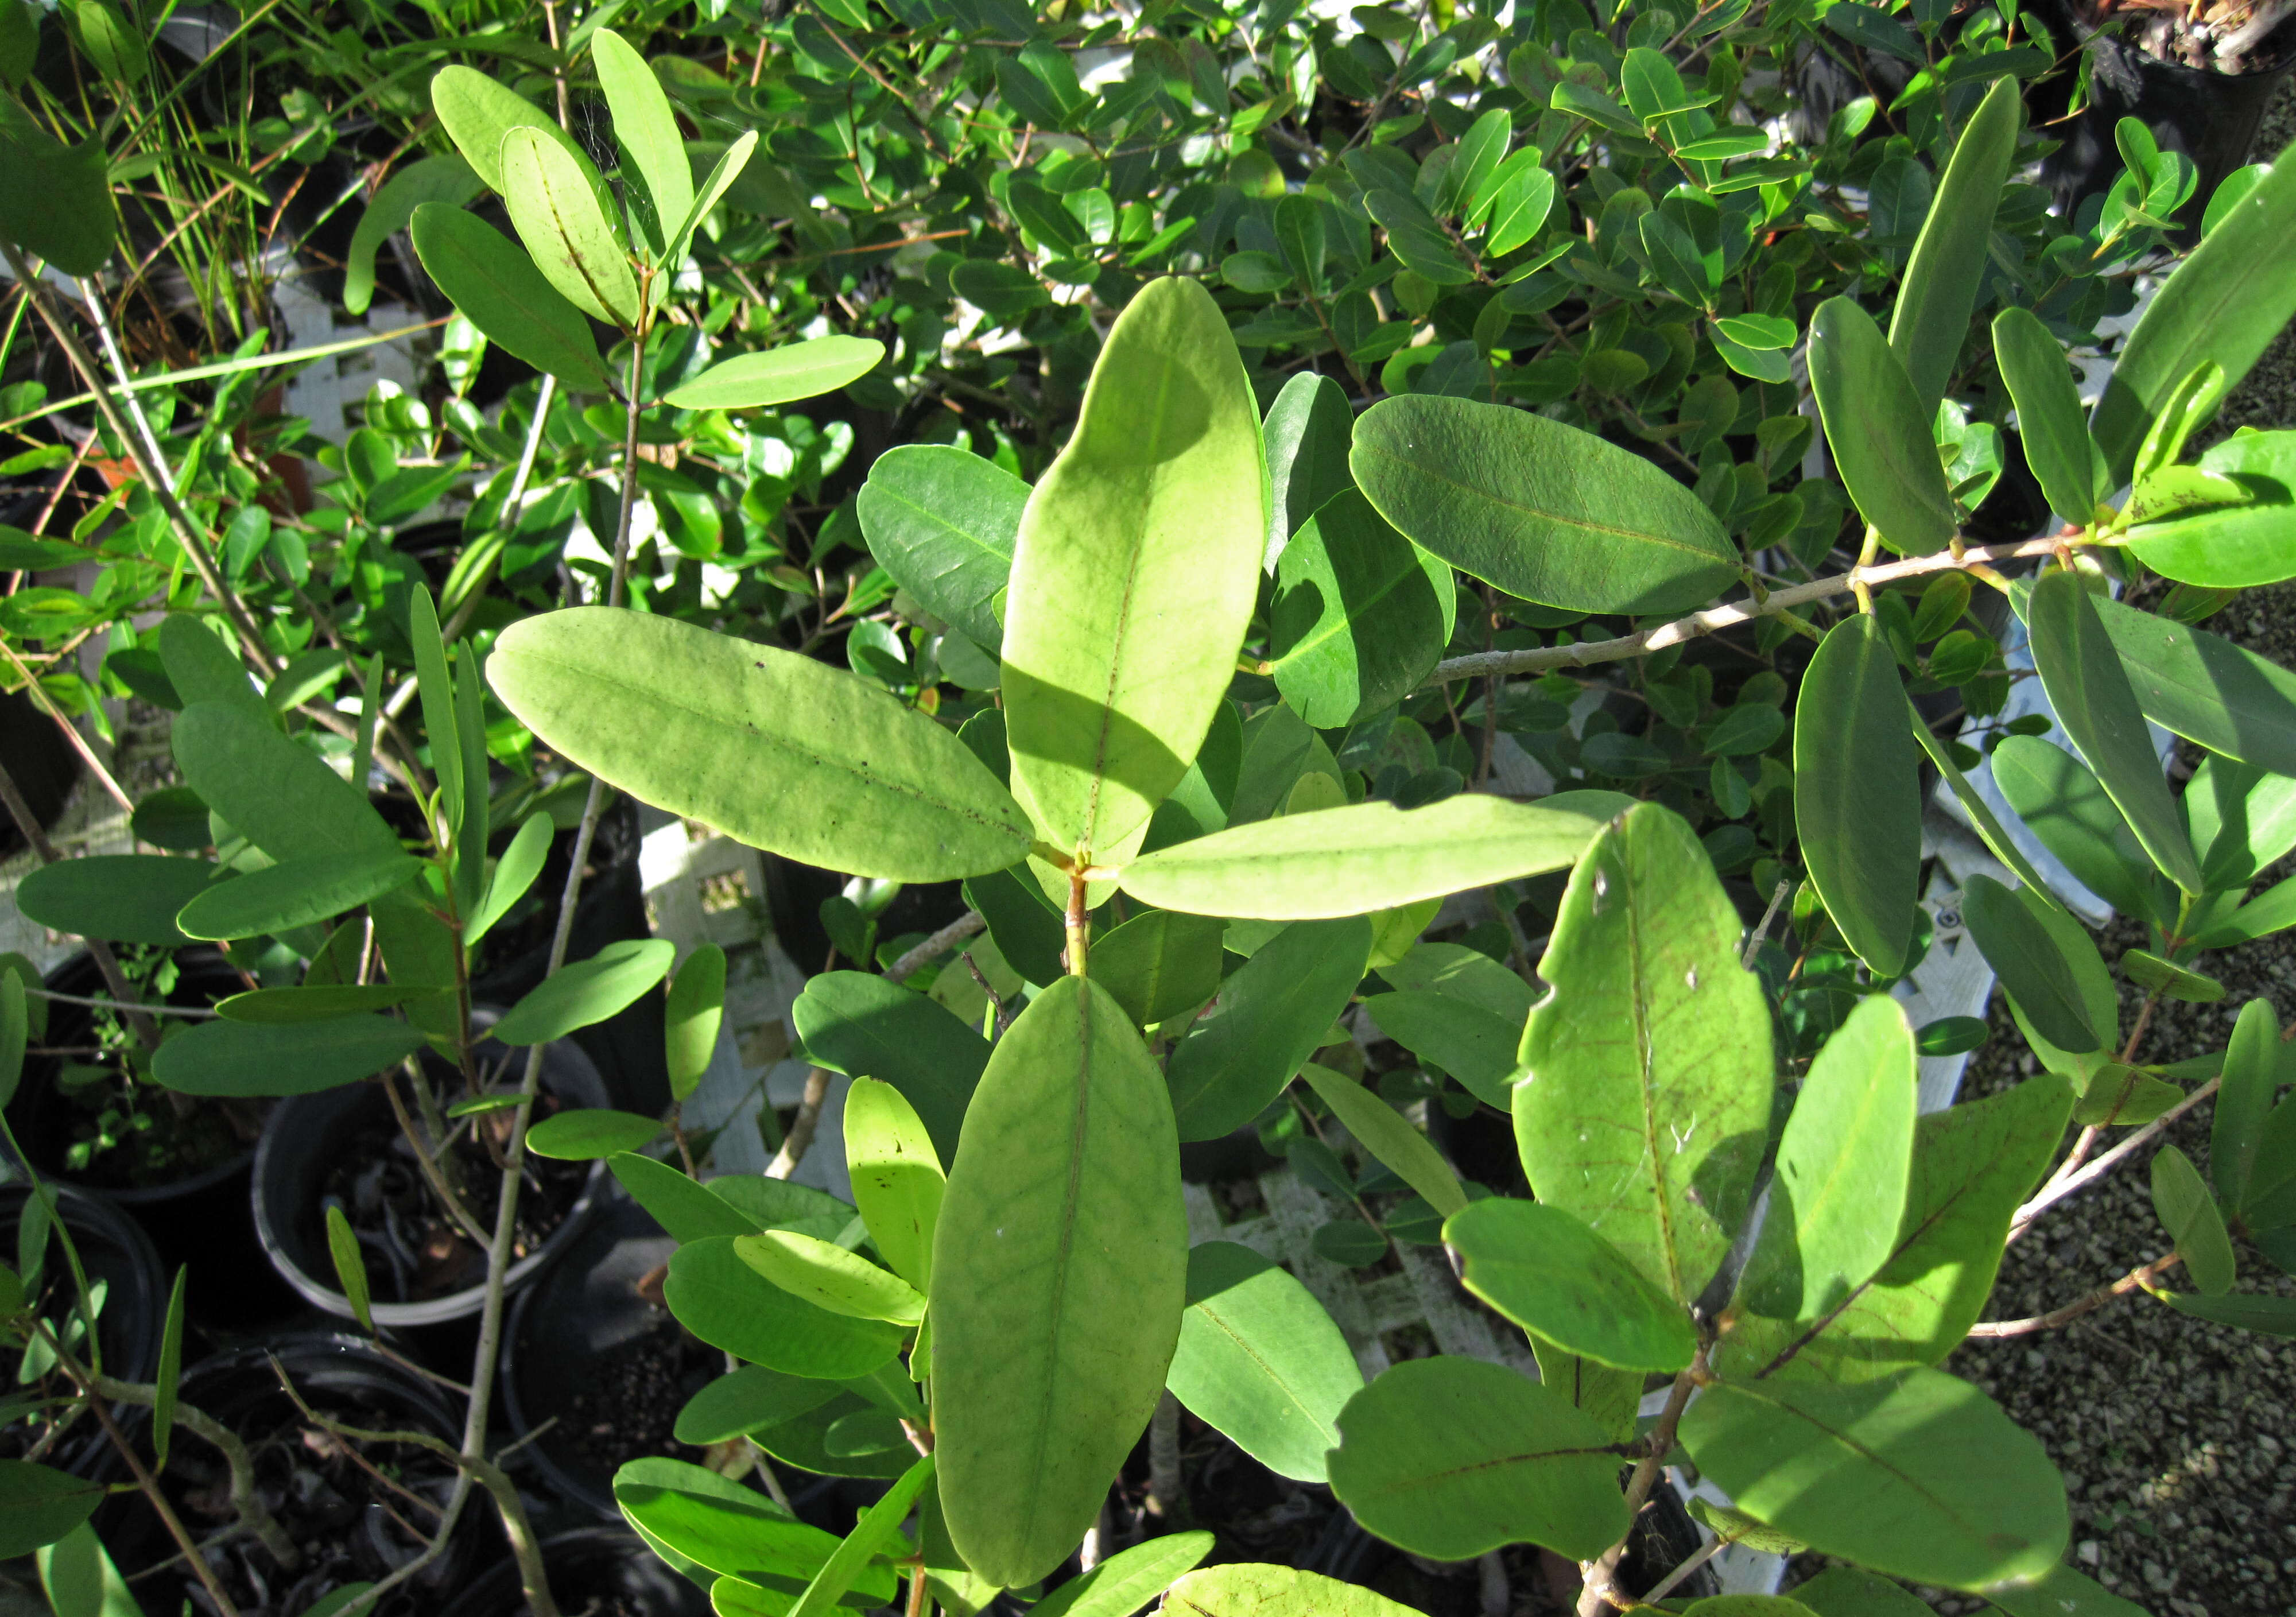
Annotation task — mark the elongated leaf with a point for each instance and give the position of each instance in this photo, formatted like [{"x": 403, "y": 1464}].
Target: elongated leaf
[
  {"x": 477, "y": 113},
  {"x": 1858, "y": 811},
  {"x": 1350, "y": 861},
  {"x": 1260, "y": 1361},
  {"x": 2206, "y": 689},
  {"x": 81, "y": 1580},
  {"x": 1540, "y": 509},
  {"x": 1839, "y": 1192},
  {"x": 120, "y": 898},
  {"x": 1450, "y": 1457},
  {"x": 202, "y": 668},
  {"x": 293, "y": 1058},
  {"x": 2273, "y": 1315},
  {"x": 655, "y": 171},
  {"x": 448, "y": 180},
  {"x": 728, "y": 1304},
  {"x": 830, "y": 1277},
  {"x": 588, "y": 991},
  {"x": 942, "y": 521},
  {"x": 39, "y": 1505},
  {"x": 165, "y": 1381},
  {"x": 1550, "y": 1274},
  {"x": 513, "y": 874},
  {"x": 2057, "y": 445},
  {"x": 2030, "y": 965},
  {"x": 724, "y": 173},
  {"x": 2095, "y": 701},
  {"x": 2252, "y": 1078},
  {"x": 15, "y": 1032},
  {"x": 559, "y": 217},
  {"x": 1307, "y": 431},
  {"x": 1877, "y": 430},
  {"x": 315, "y": 1003},
  {"x": 351, "y": 1268},
  {"x": 1252, "y": 1589},
  {"x": 708, "y": 1521},
  {"x": 435, "y": 687},
  {"x": 775, "y": 749},
  {"x": 2062, "y": 1593},
  {"x": 1989, "y": 829},
  {"x": 1477, "y": 1045},
  {"x": 1134, "y": 575},
  {"x": 696, "y": 1009},
  {"x": 1059, "y": 1273},
  {"x": 589, "y": 1132},
  {"x": 802, "y": 370},
  {"x": 497, "y": 287},
  {"x": 2188, "y": 1212},
  {"x": 875, "y": 1534},
  {"x": 2232, "y": 547},
  {"x": 1646, "y": 1083},
  {"x": 1361, "y": 614},
  {"x": 2057, "y": 796},
  {"x": 688, "y": 1211},
  {"x": 866, "y": 1027},
  {"x": 1379, "y": 1130},
  {"x": 746, "y": 1399},
  {"x": 1127, "y": 1580},
  {"x": 1947, "y": 266},
  {"x": 1275, "y": 1013},
  {"x": 2226, "y": 303},
  {"x": 898, "y": 1183},
  {"x": 1918, "y": 1475},
  {"x": 1160, "y": 964},
  {"x": 295, "y": 892}
]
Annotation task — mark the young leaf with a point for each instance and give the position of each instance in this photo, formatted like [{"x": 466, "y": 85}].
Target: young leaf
[
  {"x": 293, "y": 892},
  {"x": 654, "y": 169},
  {"x": 1260, "y": 1361},
  {"x": 1252, "y": 1589},
  {"x": 727, "y": 1303},
  {"x": 696, "y": 1009},
  {"x": 1647, "y": 1071},
  {"x": 898, "y": 1183},
  {"x": 1858, "y": 812},
  {"x": 1134, "y": 577},
  {"x": 1349, "y": 861},
  {"x": 1877, "y": 430},
  {"x": 2057, "y": 444},
  {"x": 81, "y": 1580},
  {"x": 827, "y": 1276},
  {"x": 2035, "y": 970},
  {"x": 513, "y": 874},
  {"x": 1542, "y": 510},
  {"x": 495, "y": 286},
  {"x": 1160, "y": 964},
  {"x": 1451, "y": 1457},
  {"x": 1379, "y": 1129},
  {"x": 773, "y": 376},
  {"x": 350, "y": 1267},
  {"x": 165, "y": 1381},
  {"x": 1839, "y": 1190},
  {"x": 1918, "y": 1474},
  {"x": 862, "y": 1025},
  {"x": 2189, "y": 1213},
  {"x": 1550, "y": 1274},
  {"x": 874, "y": 1535},
  {"x": 1059, "y": 1272},
  {"x": 2250, "y": 1077},
  {"x": 1361, "y": 614},
  {"x": 2062, "y": 803},
  {"x": 587, "y": 1133},
  {"x": 2232, "y": 547},
  {"x": 942, "y": 521},
  {"x": 1948, "y": 267},
  {"x": 120, "y": 898},
  {"x": 727, "y": 169},
  {"x": 1307, "y": 432},
  {"x": 293, "y": 1058},
  {"x": 1276, "y": 1012},
  {"x": 2094, "y": 699},
  {"x": 2202, "y": 686},
  {"x": 559, "y": 217},
  {"x": 587, "y": 991},
  {"x": 1127, "y": 1580}
]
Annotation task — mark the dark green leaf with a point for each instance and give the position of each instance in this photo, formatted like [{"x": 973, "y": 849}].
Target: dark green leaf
[
  {"x": 1878, "y": 430},
  {"x": 1307, "y": 432},
  {"x": 1361, "y": 614},
  {"x": 166, "y": 1379},
  {"x": 2057, "y": 445},
  {"x": 2204, "y": 688},
  {"x": 281, "y": 1058},
  {"x": 2263, "y": 1312},
  {"x": 1160, "y": 964},
  {"x": 729, "y": 1305},
  {"x": 942, "y": 521},
  {"x": 865, "y": 1027},
  {"x": 2250, "y": 1079},
  {"x": 1947, "y": 267},
  {"x": 39, "y": 1505},
  {"x": 497, "y": 287},
  {"x": 587, "y": 991},
  {"x": 2061, "y": 802},
  {"x": 294, "y": 892},
  {"x": 1274, "y": 1013},
  {"x": 2181, "y": 1199},
  {"x": 2030, "y": 965},
  {"x": 350, "y": 1267},
  {"x": 120, "y": 898},
  {"x": 1858, "y": 811}
]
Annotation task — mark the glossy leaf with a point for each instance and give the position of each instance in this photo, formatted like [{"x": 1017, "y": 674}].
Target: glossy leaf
[
  {"x": 560, "y": 220},
  {"x": 513, "y": 874},
  {"x": 2250, "y": 1079},
  {"x": 294, "y": 892},
  {"x": 1451, "y": 1457},
  {"x": 1059, "y": 1276},
  {"x": 1129, "y": 1580},
  {"x": 293, "y": 1058},
  {"x": 1858, "y": 810},
  {"x": 495, "y": 286},
  {"x": 775, "y": 749},
  {"x": 830, "y": 1277},
  {"x": 1160, "y": 964},
  {"x": 1307, "y": 432},
  {"x": 587, "y": 991},
  {"x": 942, "y": 521},
  {"x": 876, "y": 1534},
  {"x": 2059, "y": 800},
  {"x": 1542, "y": 510},
  {"x": 898, "y": 1183},
  {"x": 1549, "y": 1273},
  {"x": 2202, "y": 686},
  {"x": 866, "y": 1027},
  {"x": 2049, "y": 424},
  {"x": 725, "y": 1303},
  {"x": 2188, "y": 1212},
  {"x": 1260, "y": 1361},
  {"x": 120, "y": 898},
  {"x": 1379, "y": 1129},
  {"x": 2232, "y": 547},
  {"x": 2030, "y": 965},
  {"x": 800, "y": 370},
  {"x": 586, "y": 1133},
  {"x": 1878, "y": 430},
  {"x": 1948, "y": 267},
  {"x": 1275, "y": 1013},
  {"x": 656, "y": 175},
  {"x": 1647, "y": 1076},
  {"x": 350, "y": 1267},
  {"x": 695, "y": 1012},
  {"x": 1361, "y": 614}
]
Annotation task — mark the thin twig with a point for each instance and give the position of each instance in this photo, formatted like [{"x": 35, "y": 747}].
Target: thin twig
[
  {"x": 2104, "y": 1165},
  {"x": 800, "y": 1140},
  {"x": 2139, "y": 1276},
  {"x": 79, "y": 744},
  {"x": 1599, "y": 1575},
  {"x": 147, "y": 1032},
  {"x": 947, "y": 937},
  {"x": 131, "y": 1009},
  {"x": 253, "y": 1517}
]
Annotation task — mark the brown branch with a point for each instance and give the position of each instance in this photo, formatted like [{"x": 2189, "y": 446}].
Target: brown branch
[
  {"x": 947, "y": 937},
  {"x": 2097, "y": 1299},
  {"x": 800, "y": 1140},
  {"x": 1599, "y": 1589},
  {"x": 2057, "y": 1191}
]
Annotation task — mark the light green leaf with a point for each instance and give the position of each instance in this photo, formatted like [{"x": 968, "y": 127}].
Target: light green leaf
[
  {"x": 315, "y": 1002},
  {"x": 719, "y": 1296},
  {"x": 448, "y": 180},
  {"x": 1307, "y": 432},
  {"x": 1134, "y": 575},
  {"x": 1260, "y": 1361},
  {"x": 773, "y": 376},
  {"x": 1379, "y": 1129},
  {"x": 1844, "y": 1591},
  {"x": 1918, "y": 1474},
  {"x": 1839, "y": 1192},
  {"x": 587, "y": 991},
  {"x": 695, "y": 1517},
  {"x": 1275, "y": 1013},
  {"x": 559, "y": 217},
  {"x": 477, "y": 113},
  {"x": 1947, "y": 266},
  {"x": 827, "y": 1276},
  {"x": 1127, "y": 1580},
  {"x": 2188, "y": 1212},
  {"x": 723, "y": 174},
  {"x": 862, "y": 1025},
  {"x": 2250, "y": 1079},
  {"x": 876, "y": 1534},
  {"x": 898, "y": 1183},
  {"x": 1542, "y": 510},
  {"x": 1350, "y": 861},
  {"x": 2059, "y": 800},
  {"x": 688, "y": 1211},
  {"x": 2062, "y": 1593},
  {"x": 1858, "y": 811},
  {"x": 1647, "y": 1073},
  {"x": 655, "y": 172},
  {"x": 497, "y": 287},
  {"x": 2148, "y": 971},
  {"x": 1545, "y": 1270},
  {"x": 775, "y": 749},
  {"x": 2202, "y": 686},
  {"x": 435, "y": 687},
  {"x": 589, "y": 1132},
  {"x": 1361, "y": 614},
  {"x": 942, "y": 521},
  {"x": 2236, "y": 545},
  {"x": 746, "y": 1399},
  {"x": 2096, "y": 703},
  {"x": 696, "y": 1009},
  {"x": 1252, "y": 1589},
  {"x": 118, "y": 897},
  {"x": 1878, "y": 430},
  {"x": 291, "y": 1058},
  {"x": 81, "y": 1580},
  {"x": 1159, "y": 964},
  {"x": 351, "y": 1268},
  {"x": 294, "y": 892},
  {"x": 2056, "y": 440},
  {"x": 1520, "y": 208},
  {"x": 1450, "y": 1457},
  {"x": 1057, "y": 1290}
]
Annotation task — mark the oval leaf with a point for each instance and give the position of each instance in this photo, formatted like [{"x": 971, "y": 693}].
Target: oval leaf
[
  {"x": 1877, "y": 430},
  {"x": 830, "y": 1277},
  {"x": 294, "y": 1058},
  {"x": 1948, "y": 267},
  {"x": 118, "y": 897},
  {"x": 295, "y": 892},
  {"x": 561, "y": 220},
  {"x": 898, "y": 1183},
  {"x": 801, "y": 370},
  {"x": 2232, "y": 547},
  {"x": 1361, "y": 614},
  {"x": 1379, "y": 1129},
  {"x": 1260, "y": 1361},
  {"x": 1252, "y": 1589},
  {"x": 489, "y": 278},
  {"x": 695, "y": 1012},
  {"x": 942, "y": 521},
  {"x": 1550, "y": 1274},
  {"x": 2049, "y": 421},
  {"x": 587, "y": 992},
  {"x": 728, "y": 1304},
  {"x": 1276, "y": 1012},
  {"x": 1858, "y": 809},
  {"x": 590, "y": 1132}
]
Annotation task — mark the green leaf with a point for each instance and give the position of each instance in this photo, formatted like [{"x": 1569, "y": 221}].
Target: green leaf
[
  {"x": 2149, "y": 971},
  {"x": 1474, "y": 1044},
  {"x": 862, "y": 1025},
  {"x": 942, "y": 521},
  {"x": 282, "y": 1058},
  {"x": 495, "y": 286},
  {"x": 1548, "y": 1272},
  {"x": 2186, "y": 1210},
  {"x": 2031, "y": 966},
  {"x": 1363, "y": 857},
  {"x": 2226, "y": 303},
  {"x": 721, "y": 1298},
  {"x": 1450, "y": 1457},
  {"x": 81, "y": 1580},
  {"x": 294, "y": 892},
  {"x": 1918, "y": 1475},
  {"x": 1878, "y": 430},
  {"x": 174, "y": 818},
  {"x": 2232, "y": 547},
  {"x": 1844, "y": 1591},
  {"x": 351, "y": 1268},
  {"x": 655, "y": 173},
  {"x": 746, "y": 1401},
  {"x": 2057, "y": 444},
  {"x": 696, "y": 1010},
  {"x": 1838, "y": 1191},
  {"x": 1647, "y": 1078},
  {"x": 436, "y": 689},
  {"x": 1057, "y": 1285},
  {"x": 773, "y": 376},
  {"x": 1134, "y": 577},
  {"x": 1542, "y": 510},
  {"x": 1361, "y": 614},
  {"x": 1520, "y": 208},
  {"x": 1307, "y": 432},
  {"x": 876, "y": 1534},
  {"x": 317, "y": 1002},
  {"x": 15, "y": 1029},
  {"x": 724, "y": 173},
  {"x": 2062, "y": 1593},
  {"x": 587, "y": 991},
  {"x": 1989, "y": 830},
  {"x": 477, "y": 112},
  {"x": 2062, "y": 803},
  {"x": 2250, "y": 1079},
  {"x": 56, "y": 200},
  {"x": 448, "y": 180},
  {"x": 1858, "y": 811},
  {"x": 898, "y": 1183},
  {"x": 2096, "y": 703},
  {"x": 39, "y": 1505},
  {"x": 166, "y": 1379},
  {"x": 1260, "y": 1361},
  {"x": 1379, "y": 1129},
  {"x": 1159, "y": 964},
  {"x": 696, "y": 1516},
  {"x": 688, "y": 1211},
  {"x": 560, "y": 219},
  {"x": 775, "y": 749},
  {"x": 2204, "y": 688},
  {"x": 1127, "y": 1580},
  {"x": 118, "y": 897},
  {"x": 202, "y": 668},
  {"x": 521, "y": 863},
  {"x": 1275, "y": 1013},
  {"x": 2271, "y": 1315},
  {"x": 589, "y": 1132},
  {"x": 1252, "y": 1589},
  {"x": 1947, "y": 266},
  {"x": 827, "y": 1276}
]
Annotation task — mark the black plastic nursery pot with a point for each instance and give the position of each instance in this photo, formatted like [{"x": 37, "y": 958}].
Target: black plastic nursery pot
[
  {"x": 601, "y": 1571},
  {"x": 346, "y": 1144},
  {"x": 349, "y": 1524}
]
